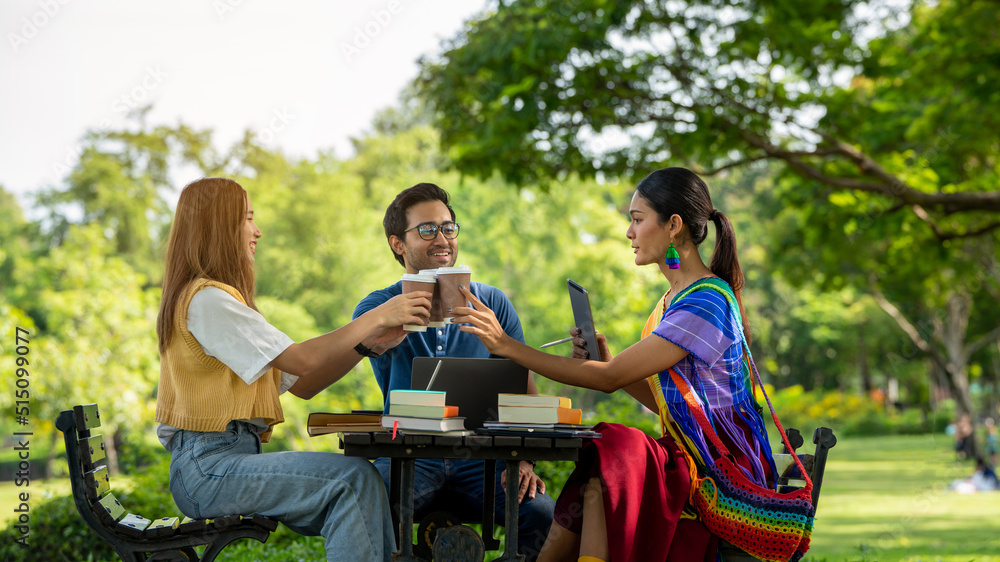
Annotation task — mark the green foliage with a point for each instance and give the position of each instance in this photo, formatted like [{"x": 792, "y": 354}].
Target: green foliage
[
  {"x": 95, "y": 337},
  {"x": 852, "y": 415},
  {"x": 59, "y": 533},
  {"x": 887, "y": 180},
  {"x": 621, "y": 87},
  {"x": 119, "y": 183}
]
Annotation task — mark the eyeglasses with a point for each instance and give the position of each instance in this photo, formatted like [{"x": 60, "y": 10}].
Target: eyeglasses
[{"x": 429, "y": 230}]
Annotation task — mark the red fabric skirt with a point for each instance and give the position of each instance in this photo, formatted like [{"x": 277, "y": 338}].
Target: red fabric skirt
[{"x": 646, "y": 486}]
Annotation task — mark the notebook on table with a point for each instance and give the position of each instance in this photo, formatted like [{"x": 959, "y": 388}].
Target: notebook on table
[{"x": 471, "y": 384}]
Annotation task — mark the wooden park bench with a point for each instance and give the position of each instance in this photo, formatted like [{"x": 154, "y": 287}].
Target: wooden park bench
[
  {"x": 132, "y": 536},
  {"x": 815, "y": 465}
]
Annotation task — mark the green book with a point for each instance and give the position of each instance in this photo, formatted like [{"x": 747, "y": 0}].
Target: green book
[{"x": 417, "y": 397}]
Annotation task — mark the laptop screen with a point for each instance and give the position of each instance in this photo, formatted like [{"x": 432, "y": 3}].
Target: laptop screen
[{"x": 472, "y": 384}]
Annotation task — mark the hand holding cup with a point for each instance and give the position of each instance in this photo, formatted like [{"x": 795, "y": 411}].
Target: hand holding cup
[{"x": 419, "y": 283}]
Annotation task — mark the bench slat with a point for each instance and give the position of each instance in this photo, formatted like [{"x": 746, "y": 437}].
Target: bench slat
[
  {"x": 507, "y": 441},
  {"x": 542, "y": 442},
  {"x": 109, "y": 510},
  {"x": 479, "y": 441},
  {"x": 92, "y": 451},
  {"x": 448, "y": 440},
  {"x": 87, "y": 417},
  {"x": 418, "y": 440},
  {"x": 264, "y": 522},
  {"x": 97, "y": 483},
  {"x": 162, "y": 527},
  {"x": 227, "y": 521},
  {"x": 132, "y": 525},
  {"x": 189, "y": 525},
  {"x": 356, "y": 438}
]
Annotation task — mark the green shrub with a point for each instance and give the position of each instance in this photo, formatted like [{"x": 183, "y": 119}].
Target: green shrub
[
  {"x": 850, "y": 414},
  {"x": 58, "y": 532},
  {"x": 909, "y": 422},
  {"x": 868, "y": 423}
]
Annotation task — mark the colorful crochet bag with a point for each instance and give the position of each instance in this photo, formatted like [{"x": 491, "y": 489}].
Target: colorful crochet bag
[{"x": 767, "y": 524}]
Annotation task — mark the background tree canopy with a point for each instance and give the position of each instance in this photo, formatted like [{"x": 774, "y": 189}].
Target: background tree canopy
[{"x": 875, "y": 120}]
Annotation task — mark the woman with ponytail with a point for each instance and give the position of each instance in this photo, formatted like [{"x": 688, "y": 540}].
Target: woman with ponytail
[{"x": 628, "y": 499}]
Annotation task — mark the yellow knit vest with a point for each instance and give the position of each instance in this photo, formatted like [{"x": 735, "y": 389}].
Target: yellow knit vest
[{"x": 198, "y": 392}]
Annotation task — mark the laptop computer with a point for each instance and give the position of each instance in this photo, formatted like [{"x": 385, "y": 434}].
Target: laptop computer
[{"x": 472, "y": 384}]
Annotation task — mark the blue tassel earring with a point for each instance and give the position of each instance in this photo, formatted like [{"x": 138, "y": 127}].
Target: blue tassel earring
[{"x": 673, "y": 259}]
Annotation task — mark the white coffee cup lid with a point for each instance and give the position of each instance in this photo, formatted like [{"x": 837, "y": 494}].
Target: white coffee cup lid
[
  {"x": 456, "y": 269},
  {"x": 429, "y": 272},
  {"x": 419, "y": 277}
]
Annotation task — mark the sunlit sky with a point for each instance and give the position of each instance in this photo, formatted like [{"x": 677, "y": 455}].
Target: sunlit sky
[{"x": 306, "y": 75}]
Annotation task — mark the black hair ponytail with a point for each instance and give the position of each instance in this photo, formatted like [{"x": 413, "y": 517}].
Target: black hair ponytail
[
  {"x": 726, "y": 264},
  {"x": 680, "y": 191}
]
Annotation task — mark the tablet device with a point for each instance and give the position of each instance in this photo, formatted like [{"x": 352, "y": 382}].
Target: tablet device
[{"x": 583, "y": 318}]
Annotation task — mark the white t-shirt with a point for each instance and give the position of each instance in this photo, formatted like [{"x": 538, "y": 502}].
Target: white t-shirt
[{"x": 237, "y": 335}]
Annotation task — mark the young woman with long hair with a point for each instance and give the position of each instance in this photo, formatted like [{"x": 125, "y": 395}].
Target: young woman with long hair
[
  {"x": 626, "y": 497},
  {"x": 222, "y": 370}
]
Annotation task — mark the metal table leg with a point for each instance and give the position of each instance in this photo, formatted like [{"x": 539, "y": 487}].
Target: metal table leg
[
  {"x": 395, "y": 473},
  {"x": 489, "y": 502},
  {"x": 405, "y": 553},
  {"x": 511, "y": 527}
]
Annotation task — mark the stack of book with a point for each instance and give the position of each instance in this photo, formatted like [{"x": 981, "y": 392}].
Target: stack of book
[
  {"x": 537, "y": 414},
  {"x": 422, "y": 411},
  {"x": 321, "y": 423},
  {"x": 537, "y": 409}
]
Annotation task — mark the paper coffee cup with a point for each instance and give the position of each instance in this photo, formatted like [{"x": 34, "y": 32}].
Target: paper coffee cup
[
  {"x": 418, "y": 282},
  {"x": 449, "y": 278},
  {"x": 437, "y": 310}
]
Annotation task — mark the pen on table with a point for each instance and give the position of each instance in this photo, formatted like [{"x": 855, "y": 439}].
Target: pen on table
[
  {"x": 557, "y": 342},
  {"x": 433, "y": 376}
]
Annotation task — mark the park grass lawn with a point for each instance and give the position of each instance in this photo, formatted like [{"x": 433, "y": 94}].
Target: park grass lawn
[
  {"x": 883, "y": 499},
  {"x": 887, "y": 498}
]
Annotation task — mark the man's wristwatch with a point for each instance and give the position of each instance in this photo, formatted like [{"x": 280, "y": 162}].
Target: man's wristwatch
[{"x": 364, "y": 351}]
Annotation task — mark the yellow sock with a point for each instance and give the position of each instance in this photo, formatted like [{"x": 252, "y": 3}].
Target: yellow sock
[{"x": 589, "y": 559}]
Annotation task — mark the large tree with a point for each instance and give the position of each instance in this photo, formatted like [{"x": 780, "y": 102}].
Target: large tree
[
  {"x": 122, "y": 181},
  {"x": 881, "y": 114},
  {"x": 539, "y": 88}
]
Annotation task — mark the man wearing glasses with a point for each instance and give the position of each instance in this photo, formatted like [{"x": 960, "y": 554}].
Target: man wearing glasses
[{"x": 422, "y": 234}]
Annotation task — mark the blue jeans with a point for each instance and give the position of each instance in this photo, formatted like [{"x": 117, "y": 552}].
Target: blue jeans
[
  {"x": 456, "y": 485},
  {"x": 213, "y": 474}
]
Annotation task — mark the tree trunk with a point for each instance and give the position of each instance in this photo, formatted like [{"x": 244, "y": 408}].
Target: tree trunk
[
  {"x": 54, "y": 449},
  {"x": 866, "y": 377},
  {"x": 993, "y": 408},
  {"x": 110, "y": 450},
  {"x": 948, "y": 348}
]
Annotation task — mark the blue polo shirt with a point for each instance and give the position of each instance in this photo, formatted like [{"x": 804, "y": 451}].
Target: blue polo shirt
[{"x": 392, "y": 368}]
